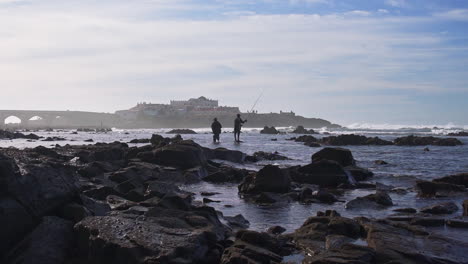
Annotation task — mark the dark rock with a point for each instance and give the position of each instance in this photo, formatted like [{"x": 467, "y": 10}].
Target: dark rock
[
  {"x": 378, "y": 200},
  {"x": 237, "y": 221},
  {"x": 400, "y": 243},
  {"x": 97, "y": 168},
  {"x": 50, "y": 243},
  {"x": 89, "y": 140},
  {"x": 181, "y": 131},
  {"x": 140, "y": 141},
  {"x": 457, "y": 179},
  {"x": 358, "y": 173},
  {"x": 424, "y": 141},
  {"x": 16, "y": 135},
  {"x": 336, "y": 241},
  {"x": 261, "y": 155},
  {"x": 344, "y": 140},
  {"x": 380, "y": 162},
  {"x": 344, "y": 253},
  {"x": 209, "y": 193},
  {"x": 302, "y": 130},
  {"x": 268, "y": 198},
  {"x": 427, "y": 221},
  {"x": 208, "y": 200},
  {"x": 225, "y": 154},
  {"x": 96, "y": 207},
  {"x": 465, "y": 208},
  {"x": 406, "y": 210},
  {"x": 324, "y": 196},
  {"x": 458, "y": 134},
  {"x": 344, "y": 157},
  {"x": 15, "y": 222},
  {"x": 41, "y": 150},
  {"x": 253, "y": 247},
  {"x": 457, "y": 223},
  {"x": 276, "y": 230},
  {"x": 426, "y": 149},
  {"x": 269, "y": 130},
  {"x": 441, "y": 208},
  {"x": 269, "y": 179},
  {"x": 226, "y": 174},
  {"x": 324, "y": 173},
  {"x": 161, "y": 189},
  {"x": 74, "y": 212},
  {"x": 312, "y": 144},
  {"x": 306, "y": 139},
  {"x": 103, "y": 152},
  {"x": 184, "y": 154},
  {"x": 54, "y": 139},
  {"x": 428, "y": 188}
]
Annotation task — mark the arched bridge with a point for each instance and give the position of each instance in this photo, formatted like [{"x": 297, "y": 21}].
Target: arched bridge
[{"x": 59, "y": 119}]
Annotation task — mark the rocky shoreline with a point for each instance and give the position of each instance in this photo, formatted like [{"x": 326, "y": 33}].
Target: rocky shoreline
[{"x": 112, "y": 203}]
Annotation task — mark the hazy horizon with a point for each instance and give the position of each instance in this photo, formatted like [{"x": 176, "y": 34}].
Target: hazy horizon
[{"x": 376, "y": 62}]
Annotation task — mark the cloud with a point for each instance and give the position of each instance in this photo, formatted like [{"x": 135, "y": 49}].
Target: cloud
[
  {"x": 112, "y": 56},
  {"x": 358, "y": 13},
  {"x": 455, "y": 14},
  {"x": 396, "y": 3},
  {"x": 383, "y": 11}
]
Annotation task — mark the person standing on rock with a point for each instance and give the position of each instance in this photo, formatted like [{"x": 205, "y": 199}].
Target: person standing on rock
[
  {"x": 216, "y": 128},
  {"x": 237, "y": 127}
]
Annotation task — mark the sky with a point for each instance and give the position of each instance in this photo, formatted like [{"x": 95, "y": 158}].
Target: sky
[{"x": 347, "y": 61}]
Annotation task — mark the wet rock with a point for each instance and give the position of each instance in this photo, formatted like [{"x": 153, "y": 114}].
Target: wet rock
[
  {"x": 358, "y": 173},
  {"x": 380, "y": 162},
  {"x": 269, "y": 179},
  {"x": 441, "y": 208},
  {"x": 377, "y": 201},
  {"x": 269, "y": 130},
  {"x": 50, "y": 243},
  {"x": 237, "y": 221},
  {"x": 347, "y": 253},
  {"x": 89, "y": 140},
  {"x": 41, "y": 150},
  {"x": 324, "y": 196},
  {"x": 465, "y": 208},
  {"x": 74, "y": 212},
  {"x": 209, "y": 193},
  {"x": 181, "y": 131},
  {"x": 119, "y": 203},
  {"x": 457, "y": 223},
  {"x": 324, "y": 173},
  {"x": 253, "y": 247},
  {"x": 457, "y": 179},
  {"x": 312, "y": 144},
  {"x": 225, "y": 154},
  {"x": 343, "y": 140},
  {"x": 97, "y": 168},
  {"x": 302, "y": 130},
  {"x": 269, "y": 198},
  {"x": 276, "y": 230},
  {"x": 306, "y": 139},
  {"x": 158, "y": 140},
  {"x": 426, "y": 149},
  {"x": 15, "y": 222},
  {"x": 54, "y": 139},
  {"x": 406, "y": 210},
  {"x": 96, "y": 207},
  {"x": 15, "y": 135},
  {"x": 161, "y": 189},
  {"x": 227, "y": 174},
  {"x": 427, "y": 221},
  {"x": 208, "y": 200},
  {"x": 140, "y": 141},
  {"x": 424, "y": 141},
  {"x": 429, "y": 189},
  {"x": 103, "y": 152},
  {"x": 458, "y": 134},
  {"x": 342, "y": 156},
  {"x": 336, "y": 241},
  {"x": 184, "y": 154},
  {"x": 162, "y": 236},
  {"x": 400, "y": 243},
  {"x": 261, "y": 155}
]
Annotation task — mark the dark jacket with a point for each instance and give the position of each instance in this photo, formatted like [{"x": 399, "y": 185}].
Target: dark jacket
[{"x": 216, "y": 127}]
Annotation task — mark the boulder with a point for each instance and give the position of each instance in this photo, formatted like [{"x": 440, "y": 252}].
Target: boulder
[
  {"x": 306, "y": 139},
  {"x": 458, "y": 134},
  {"x": 432, "y": 188},
  {"x": 380, "y": 162},
  {"x": 102, "y": 152},
  {"x": 181, "y": 131},
  {"x": 465, "y": 208},
  {"x": 457, "y": 223},
  {"x": 302, "y": 130},
  {"x": 457, "y": 179},
  {"x": 441, "y": 208},
  {"x": 342, "y": 156},
  {"x": 238, "y": 221},
  {"x": 427, "y": 221},
  {"x": 378, "y": 200},
  {"x": 269, "y": 179},
  {"x": 344, "y": 253},
  {"x": 269, "y": 130},
  {"x": 324, "y": 173},
  {"x": 253, "y": 248},
  {"x": 225, "y": 154},
  {"x": 343, "y": 140},
  {"x": 276, "y": 230},
  {"x": 226, "y": 174},
  {"x": 140, "y": 141},
  {"x": 184, "y": 154},
  {"x": 424, "y": 141},
  {"x": 15, "y": 135},
  {"x": 358, "y": 173},
  {"x": 50, "y": 243},
  {"x": 261, "y": 155}
]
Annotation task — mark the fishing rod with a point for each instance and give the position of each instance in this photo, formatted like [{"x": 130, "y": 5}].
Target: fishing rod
[{"x": 256, "y": 101}]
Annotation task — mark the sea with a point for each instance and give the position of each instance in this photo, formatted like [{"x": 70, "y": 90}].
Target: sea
[{"x": 405, "y": 166}]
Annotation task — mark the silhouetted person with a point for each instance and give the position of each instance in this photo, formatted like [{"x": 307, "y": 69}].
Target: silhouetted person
[
  {"x": 216, "y": 128},
  {"x": 237, "y": 127}
]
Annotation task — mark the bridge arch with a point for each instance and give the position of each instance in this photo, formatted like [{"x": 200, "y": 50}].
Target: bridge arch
[{"x": 12, "y": 119}]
